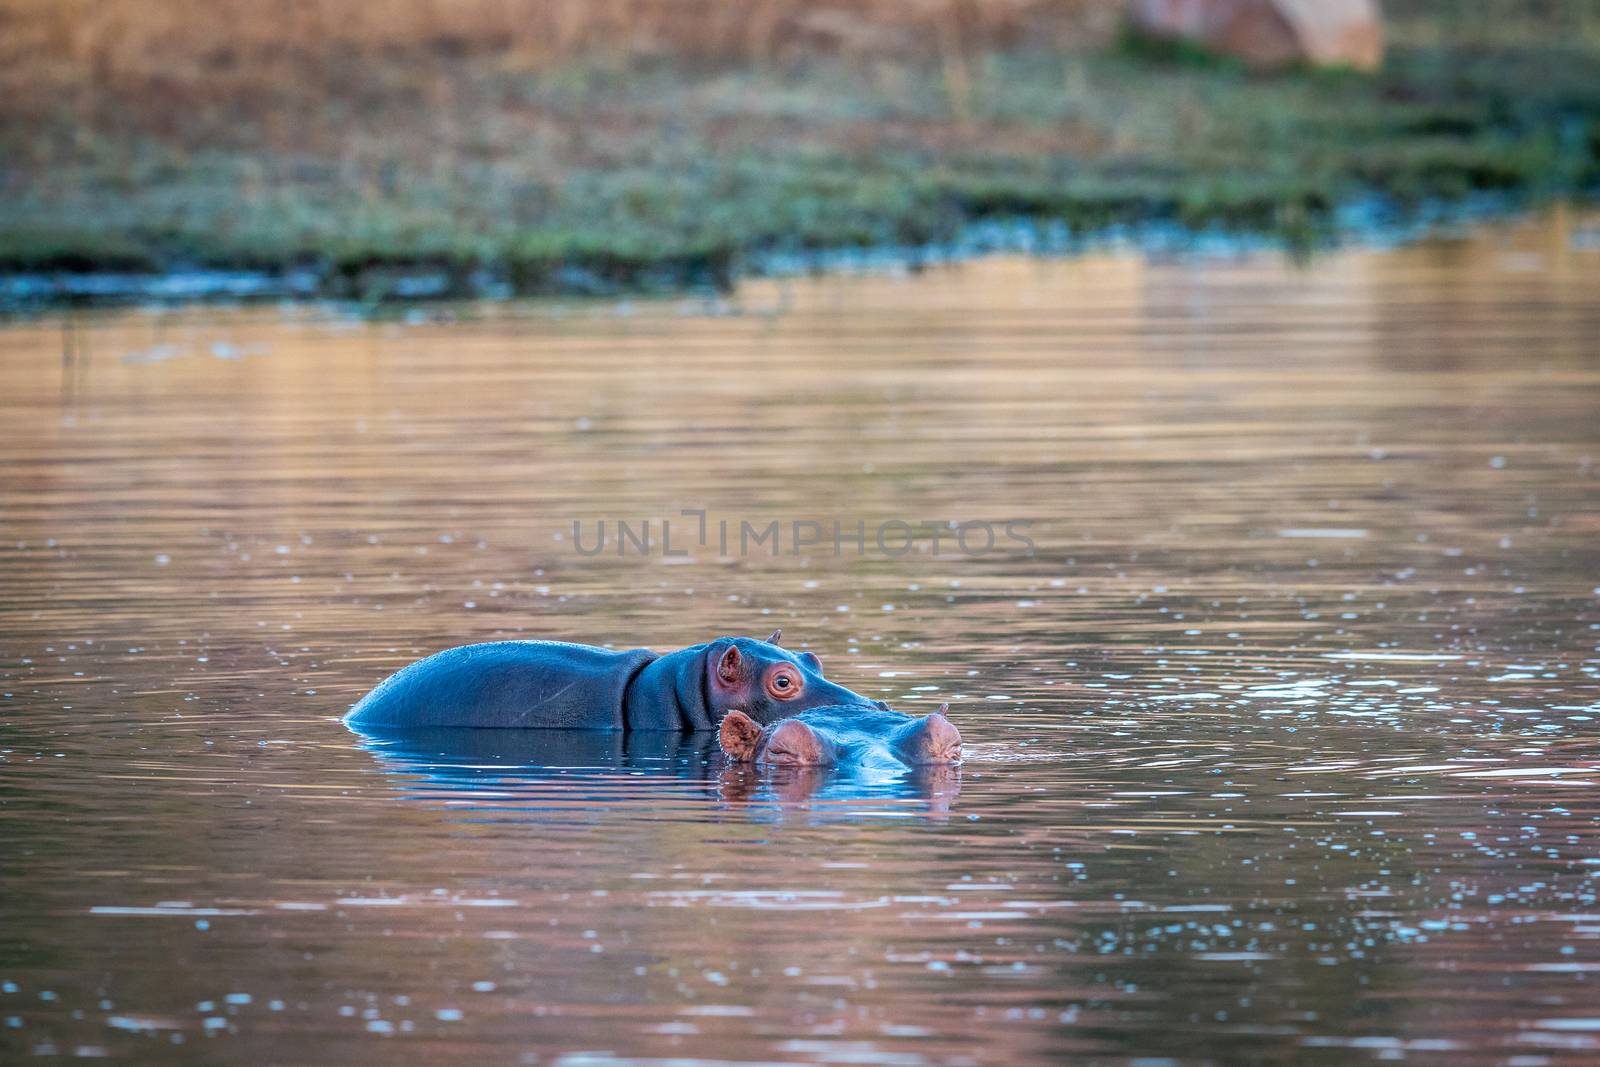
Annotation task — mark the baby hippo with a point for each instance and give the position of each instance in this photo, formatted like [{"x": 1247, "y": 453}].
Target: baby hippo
[{"x": 854, "y": 736}]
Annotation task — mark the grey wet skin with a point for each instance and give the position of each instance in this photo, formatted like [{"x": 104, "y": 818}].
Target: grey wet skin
[
  {"x": 555, "y": 685},
  {"x": 843, "y": 736}
]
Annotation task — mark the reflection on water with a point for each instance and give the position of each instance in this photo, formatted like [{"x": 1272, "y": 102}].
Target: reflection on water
[
  {"x": 1281, "y": 746},
  {"x": 526, "y": 773},
  {"x": 529, "y": 770}
]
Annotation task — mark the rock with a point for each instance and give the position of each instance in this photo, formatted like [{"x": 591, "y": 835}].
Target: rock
[{"x": 1271, "y": 33}]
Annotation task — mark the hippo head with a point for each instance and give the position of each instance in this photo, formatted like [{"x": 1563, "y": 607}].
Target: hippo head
[
  {"x": 843, "y": 735},
  {"x": 768, "y": 683}
]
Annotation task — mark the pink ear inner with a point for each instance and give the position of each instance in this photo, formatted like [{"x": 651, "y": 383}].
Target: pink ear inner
[
  {"x": 730, "y": 668},
  {"x": 738, "y": 736}
]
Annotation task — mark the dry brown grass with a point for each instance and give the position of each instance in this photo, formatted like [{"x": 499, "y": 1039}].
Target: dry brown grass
[
  {"x": 160, "y": 55},
  {"x": 200, "y": 66},
  {"x": 131, "y": 33},
  {"x": 114, "y": 39},
  {"x": 111, "y": 42}
]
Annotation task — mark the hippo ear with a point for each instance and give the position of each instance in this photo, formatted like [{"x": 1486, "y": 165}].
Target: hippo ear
[
  {"x": 730, "y": 666},
  {"x": 774, "y": 638},
  {"x": 738, "y": 736}
]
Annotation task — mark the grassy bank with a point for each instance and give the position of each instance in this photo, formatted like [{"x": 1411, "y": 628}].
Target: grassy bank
[{"x": 650, "y": 151}]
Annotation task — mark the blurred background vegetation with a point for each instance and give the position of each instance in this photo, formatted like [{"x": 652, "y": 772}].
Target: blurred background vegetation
[{"x": 562, "y": 143}]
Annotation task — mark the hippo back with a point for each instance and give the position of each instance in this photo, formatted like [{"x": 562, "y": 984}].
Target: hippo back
[{"x": 506, "y": 685}]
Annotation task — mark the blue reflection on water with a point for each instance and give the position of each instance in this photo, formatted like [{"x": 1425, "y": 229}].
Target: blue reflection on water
[{"x": 587, "y": 775}]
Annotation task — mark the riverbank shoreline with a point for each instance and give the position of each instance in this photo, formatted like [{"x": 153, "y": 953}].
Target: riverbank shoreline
[
  {"x": 1362, "y": 223},
  {"x": 424, "y": 175}
]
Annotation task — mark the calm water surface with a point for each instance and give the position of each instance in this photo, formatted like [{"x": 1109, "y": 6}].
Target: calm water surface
[{"x": 1281, "y": 745}]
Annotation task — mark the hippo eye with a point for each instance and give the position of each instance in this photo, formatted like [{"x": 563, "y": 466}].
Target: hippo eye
[{"x": 783, "y": 684}]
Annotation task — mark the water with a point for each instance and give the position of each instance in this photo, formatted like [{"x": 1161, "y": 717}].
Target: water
[{"x": 1281, "y": 745}]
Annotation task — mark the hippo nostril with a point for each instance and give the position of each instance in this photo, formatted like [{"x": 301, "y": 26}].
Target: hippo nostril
[{"x": 883, "y": 705}]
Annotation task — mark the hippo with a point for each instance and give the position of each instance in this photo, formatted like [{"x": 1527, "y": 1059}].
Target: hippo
[
  {"x": 843, "y": 735},
  {"x": 556, "y": 685}
]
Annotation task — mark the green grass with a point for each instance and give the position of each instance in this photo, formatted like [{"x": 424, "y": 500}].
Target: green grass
[{"x": 660, "y": 173}]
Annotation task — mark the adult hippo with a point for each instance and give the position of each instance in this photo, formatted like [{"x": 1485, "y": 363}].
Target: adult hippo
[
  {"x": 555, "y": 685},
  {"x": 875, "y": 738}
]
